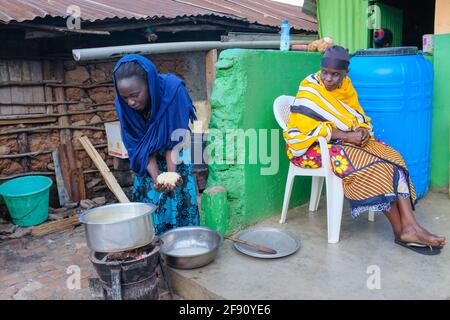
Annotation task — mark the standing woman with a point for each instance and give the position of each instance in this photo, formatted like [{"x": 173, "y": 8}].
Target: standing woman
[{"x": 150, "y": 107}]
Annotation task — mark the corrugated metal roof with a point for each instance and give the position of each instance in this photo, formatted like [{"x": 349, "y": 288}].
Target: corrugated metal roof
[{"x": 264, "y": 12}]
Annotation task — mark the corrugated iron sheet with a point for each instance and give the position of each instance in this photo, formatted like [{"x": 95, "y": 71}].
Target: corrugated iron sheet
[
  {"x": 392, "y": 19},
  {"x": 264, "y": 12},
  {"x": 346, "y": 21}
]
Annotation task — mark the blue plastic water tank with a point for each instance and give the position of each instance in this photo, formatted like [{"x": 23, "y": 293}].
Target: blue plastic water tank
[{"x": 395, "y": 89}]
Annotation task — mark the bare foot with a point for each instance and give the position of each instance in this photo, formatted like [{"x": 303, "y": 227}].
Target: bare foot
[
  {"x": 418, "y": 234},
  {"x": 442, "y": 239}
]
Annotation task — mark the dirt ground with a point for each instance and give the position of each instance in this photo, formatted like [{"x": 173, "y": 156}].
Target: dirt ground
[{"x": 54, "y": 267}]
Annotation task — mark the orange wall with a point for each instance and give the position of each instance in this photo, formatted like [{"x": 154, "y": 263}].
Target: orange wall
[{"x": 442, "y": 18}]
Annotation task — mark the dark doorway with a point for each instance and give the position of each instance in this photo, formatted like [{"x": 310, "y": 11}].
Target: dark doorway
[{"x": 418, "y": 19}]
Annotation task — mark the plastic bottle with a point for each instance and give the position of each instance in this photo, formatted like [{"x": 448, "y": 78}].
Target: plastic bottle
[{"x": 285, "y": 36}]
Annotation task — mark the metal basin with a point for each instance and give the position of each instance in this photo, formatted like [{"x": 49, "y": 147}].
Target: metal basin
[
  {"x": 118, "y": 227},
  {"x": 190, "y": 247}
]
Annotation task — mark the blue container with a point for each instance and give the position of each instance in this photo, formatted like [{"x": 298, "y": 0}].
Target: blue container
[{"x": 395, "y": 89}]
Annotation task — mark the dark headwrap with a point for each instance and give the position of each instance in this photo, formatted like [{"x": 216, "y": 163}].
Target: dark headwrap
[
  {"x": 171, "y": 109},
  {"x": 336, "y": 57},
  {"x": 382, "y": 38}
]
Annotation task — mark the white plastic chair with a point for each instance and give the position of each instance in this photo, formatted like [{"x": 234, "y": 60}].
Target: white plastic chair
[{"x": 335, "y": 192}]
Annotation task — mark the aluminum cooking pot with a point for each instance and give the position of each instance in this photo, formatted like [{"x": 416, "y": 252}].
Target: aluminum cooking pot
[{"x": 118, "y": 227}]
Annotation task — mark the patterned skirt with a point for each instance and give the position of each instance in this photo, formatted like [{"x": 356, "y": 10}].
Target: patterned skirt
[
  {"x": 176, "y": 209},
  {"x": 373, "y": 176}
]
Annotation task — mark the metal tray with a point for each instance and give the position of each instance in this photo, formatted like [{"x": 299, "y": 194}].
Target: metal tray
[{"x": 280, "y": 240}]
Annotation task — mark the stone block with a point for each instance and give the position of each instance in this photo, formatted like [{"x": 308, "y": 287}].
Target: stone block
[
  {"x": 75, "y": 94},
  {"x": 77, "y": 75}
]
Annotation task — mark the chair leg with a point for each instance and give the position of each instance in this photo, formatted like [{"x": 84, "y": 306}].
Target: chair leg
[
  {"x": 371, "y": 216},
  {"x": 335, "y": 201},
  {"x": 316, "y": 189},
  {"x": 287, "y": 194}
]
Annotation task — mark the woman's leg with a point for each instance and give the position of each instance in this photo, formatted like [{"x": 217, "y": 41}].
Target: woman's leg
[
  {"x": 406, "y": 227},
  {"x": 394, "y": 218}
]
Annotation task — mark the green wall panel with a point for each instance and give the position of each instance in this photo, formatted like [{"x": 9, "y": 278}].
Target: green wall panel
[
  {"x": 440, "y": 146},
  {"x": 247, "y": 83},
  {"x": 346, "y": 21}
]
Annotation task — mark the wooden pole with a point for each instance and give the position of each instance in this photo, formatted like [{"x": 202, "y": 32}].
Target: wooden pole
[
  {"x": 69, "y": 175},
  {"x": 211, "y": 59},
  {"x": 72, "y": 172},
  {"x": 63, "y": 193},
  {"x": 39, "y": 103},
  {"x": 55, "y": 226},
  {"x": 111, "y": 182},
  {"x": 47, "y": 76},
  {"x": 54, "y": 83},
  {"x": 73, "y": 113},
  {"x": 24, "y": 174},
  {"x": 65, "y": 134},
  {"x": 46, "y": 128},
  {"x": 22, "y": 141},
  {"x": 11, "y": 122},
  {"x": 37, "y": 153},
  {"x": 40, "y": 173}
]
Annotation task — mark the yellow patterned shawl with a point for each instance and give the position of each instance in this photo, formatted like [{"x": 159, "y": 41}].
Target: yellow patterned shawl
[{"x": 316, "y": 111}]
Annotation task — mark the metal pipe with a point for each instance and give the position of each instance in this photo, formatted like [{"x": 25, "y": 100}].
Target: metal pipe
[{"x": 116, "y": 51}]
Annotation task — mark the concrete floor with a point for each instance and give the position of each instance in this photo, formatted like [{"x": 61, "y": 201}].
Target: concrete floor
[{"x": 330, "y": 271}]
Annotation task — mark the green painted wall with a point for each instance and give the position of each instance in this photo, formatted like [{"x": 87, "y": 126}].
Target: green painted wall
[
  {"x": 345, "y": 21},
  {"x": 440, "y": 159},
  {"x": 247, "y": 83}
]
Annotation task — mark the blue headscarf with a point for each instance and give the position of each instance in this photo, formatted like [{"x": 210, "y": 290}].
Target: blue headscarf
[{"x": 171, "y": 109}]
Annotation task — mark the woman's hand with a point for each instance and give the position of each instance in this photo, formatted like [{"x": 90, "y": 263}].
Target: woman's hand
[
  {"x": 167, "y": 187},
  {"x": 164, "y": 188},
  {"x": 360, "y": 137},
  {"x": 365, "y": 135},
  {"x": 354, "y": 137}
]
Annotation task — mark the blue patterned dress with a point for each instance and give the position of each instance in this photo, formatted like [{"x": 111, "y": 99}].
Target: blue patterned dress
[{"x": 176, "y": 209}]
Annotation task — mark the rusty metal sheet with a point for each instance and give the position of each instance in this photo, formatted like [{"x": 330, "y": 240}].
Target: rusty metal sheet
[{"x": 263, "y": 12}]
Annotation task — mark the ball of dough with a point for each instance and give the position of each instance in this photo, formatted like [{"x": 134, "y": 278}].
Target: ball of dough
[{"x": 168, "y": 178}]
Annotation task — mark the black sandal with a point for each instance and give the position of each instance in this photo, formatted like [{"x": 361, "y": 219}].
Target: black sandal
[{"x": 420, "y": 248}]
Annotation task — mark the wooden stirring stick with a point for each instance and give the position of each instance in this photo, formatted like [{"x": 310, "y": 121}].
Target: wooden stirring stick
[{"x": 253, "y": 245}]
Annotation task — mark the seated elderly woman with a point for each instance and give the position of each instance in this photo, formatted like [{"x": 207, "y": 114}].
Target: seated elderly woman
[{"x": 374, "y": 175}]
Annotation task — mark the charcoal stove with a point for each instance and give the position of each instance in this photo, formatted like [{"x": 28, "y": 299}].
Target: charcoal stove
[{"x": 128, "y": 275}]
